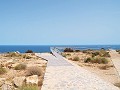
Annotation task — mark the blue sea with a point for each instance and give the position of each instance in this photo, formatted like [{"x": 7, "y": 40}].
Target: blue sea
[{"x": 46, "y": 48}]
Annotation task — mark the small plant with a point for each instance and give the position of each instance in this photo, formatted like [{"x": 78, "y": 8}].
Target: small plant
[
  {"x": 20, "y": 67},
  {"x": 34, "y": 71},
  {"x": 13, "y": 54},
  {"x": 64, "y": 55},
  {"x": 77, "y": 50},
  {"x": 76, "y": 58},
  {"x": 87, "y": 60},
  {"x": 104, "y": 60},
  {"x": 26, "y": 57},
  {"x": 2, "y": 70},
  {"x": 68, "y": 50},
  {"x": 29, "y": 51},
  {"x": 96, "y": 60},
  {"x": 29, "y": 87},
  {"x": 105, "y": 67}
]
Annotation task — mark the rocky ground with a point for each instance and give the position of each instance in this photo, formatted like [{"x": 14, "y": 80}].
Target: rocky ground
[
  {"x": 105, "y": 71},
  {"x": 19, "y": 71}
]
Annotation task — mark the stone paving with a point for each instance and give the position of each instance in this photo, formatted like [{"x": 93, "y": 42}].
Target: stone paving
[
  {"x": 115, "y": 57},
  {"x": 71, "y": 77}
]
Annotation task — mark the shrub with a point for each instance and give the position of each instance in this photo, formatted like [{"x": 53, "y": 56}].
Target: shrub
[
  {"x": 34, "y": 71},
  {"x": 68, "y": 54},
  {"x": 29, "y": 51},
  {"x": 104, "y": 60},
  {"x": 64, "y": 55},
  {"x": 76, "y": 58},
  {"x": 29, "y": 87},
  {"x": 68, "y": 50},
  {"x": 26, "y": 56},
  {"x": 95, "y": 53},
  {"x": 13, "y": 54},
  {"x": 105, "y": 67},
  {"x": 84, "y": 51},
  {"x": 20, "y": 67},
  {"x": 77, "y": 50},
  {"x": 87, "y": 60},
  {"x": 96, "y": 60},
  {"x": 2, "y": 70}
]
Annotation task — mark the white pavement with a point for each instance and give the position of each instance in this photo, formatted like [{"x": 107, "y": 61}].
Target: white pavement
[
  {"x": 115, "y": 57},
  {"x": 62, "y": 75}
]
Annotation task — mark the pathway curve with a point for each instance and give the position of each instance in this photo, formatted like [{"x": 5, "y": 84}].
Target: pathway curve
[
  {"x": 115, "y": 57},
  {"x": 62, "y": 75}
]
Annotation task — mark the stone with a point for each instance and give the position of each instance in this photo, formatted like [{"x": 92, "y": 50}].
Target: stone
[
  {"x": 18, "y": 81},
  {"x": 7, "y": 87},
  {"x": 32, "y": 80},
  {"x": 2, "y": 80}
]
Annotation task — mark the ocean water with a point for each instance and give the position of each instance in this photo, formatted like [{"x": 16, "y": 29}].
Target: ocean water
[{"x": 46, "y": 48}]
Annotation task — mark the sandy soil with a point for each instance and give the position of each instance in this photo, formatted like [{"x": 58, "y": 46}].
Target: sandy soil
[
  {"x": 9, "y": 62},
  {"x": 110, "y": 74}
]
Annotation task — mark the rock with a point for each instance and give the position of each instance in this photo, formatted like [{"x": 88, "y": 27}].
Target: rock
[
  {"x": 32, "y": 80},
  {"x": 18, "y": 81},
  {"x": 7, "y": 87},
  {"x": 2, "y": 80}
]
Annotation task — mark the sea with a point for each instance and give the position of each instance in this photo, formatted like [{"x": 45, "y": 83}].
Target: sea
[{"x": 46, "y": 48}]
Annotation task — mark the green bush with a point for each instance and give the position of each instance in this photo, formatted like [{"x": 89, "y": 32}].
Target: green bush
[
  {"x": 99, "y": 60},
  {"x": 88, "y": 60},
  {"x": 29, "y": 87},
  {"x": 2, "y": 70},
  {"x": 77, "y": 50},
  {"x": 68, "y": 50},
  {"x": 34, "y": 71},
  {"x": 76, "y": 58},
  {"x": 26, "y": 56},
  {"x": 64, "y": 55},
  {"x": 20, "y": 67},
  {"x": 29, "y": 51},
  {"x": 13, "y": 54}
]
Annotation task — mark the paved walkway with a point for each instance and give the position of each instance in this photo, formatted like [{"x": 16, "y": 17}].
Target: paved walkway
[
  {"x": 62, "y": 75},
  {"x": 115, "y": 57}
]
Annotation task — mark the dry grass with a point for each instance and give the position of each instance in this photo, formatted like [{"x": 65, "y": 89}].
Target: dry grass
[
  {"x": 2, "y": 70},
  {"x": 20, "y": 67},
  {"x": 34, "y": 71},
  {"x": 29, "y": 87},
  {"x": 76, "y": 58}
]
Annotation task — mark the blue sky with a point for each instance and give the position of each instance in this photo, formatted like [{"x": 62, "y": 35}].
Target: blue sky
[{"x": 59, "y": 22}]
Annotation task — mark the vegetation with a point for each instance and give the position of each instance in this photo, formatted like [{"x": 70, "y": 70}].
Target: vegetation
[
  {"x": 77, "y": 50},
  {"x": 29, "y": 87},
  {"x": 29, "y": 51},
  {"x": 2, "y": 70},
  {"x": 76, "y": 58},
  {"x": 34, "y": 71},
  {"x": 117, "y": 84},
  {"x": 99, "y": 60},
  {"x": 13, "y": 54},
  {"x": 105, "y": 67},
  {"x": 68, "y": 50},
  {"x": 20, "y": 67},
  {"x": 118, "y": 51},
  {"x": 26, "y": 56},
  {"x": 64, "y": 55},
  {"x": 102, "y": 52}
]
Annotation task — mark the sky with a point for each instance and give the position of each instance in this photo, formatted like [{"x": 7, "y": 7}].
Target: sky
[{"x": 59, "y": 22}]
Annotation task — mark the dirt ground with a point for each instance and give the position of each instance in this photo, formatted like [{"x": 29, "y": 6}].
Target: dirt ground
[
  {"x": 105, "y": 71},
  {"x": 9, "y": 62}
]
